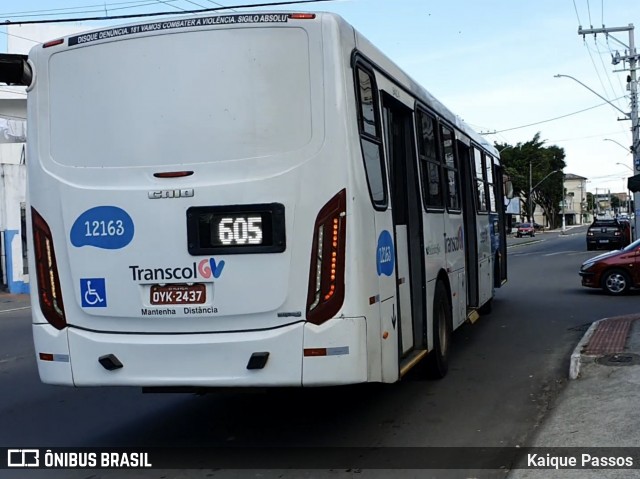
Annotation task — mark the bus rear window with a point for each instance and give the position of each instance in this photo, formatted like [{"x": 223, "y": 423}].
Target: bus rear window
[{"x": 193, "y": 97}]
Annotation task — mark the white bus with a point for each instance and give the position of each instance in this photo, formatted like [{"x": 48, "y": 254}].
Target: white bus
[{"x": 257, "y": 199}]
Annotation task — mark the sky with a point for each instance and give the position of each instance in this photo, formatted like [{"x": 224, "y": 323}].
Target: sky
[{"x": 491, "y": 62}]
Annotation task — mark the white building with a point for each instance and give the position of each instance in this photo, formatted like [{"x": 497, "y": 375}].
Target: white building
[{"x": 575, "y": 206}]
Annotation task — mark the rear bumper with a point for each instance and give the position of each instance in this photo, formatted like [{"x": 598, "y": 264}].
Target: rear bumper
[
  {"x": 207, "y": 360},
  {"x": 608, "y": 244}
]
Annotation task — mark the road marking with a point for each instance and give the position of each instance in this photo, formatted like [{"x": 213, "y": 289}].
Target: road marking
[
  {"x": 524, "y": 244},
  {"x": 559, "y": 252},
  {"x": 15, "y": 309}
]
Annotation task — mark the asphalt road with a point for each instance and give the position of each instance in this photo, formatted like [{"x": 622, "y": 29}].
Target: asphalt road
[{"x": 506, "y": 370}]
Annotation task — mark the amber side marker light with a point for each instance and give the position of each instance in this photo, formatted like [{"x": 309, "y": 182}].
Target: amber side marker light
[
  {"x": 302, "y": 16},
  {"x": 53, "y": 43}
]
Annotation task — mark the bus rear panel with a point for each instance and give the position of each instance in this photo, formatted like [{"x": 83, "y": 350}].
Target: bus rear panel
[{"x": 181, "y": 174}]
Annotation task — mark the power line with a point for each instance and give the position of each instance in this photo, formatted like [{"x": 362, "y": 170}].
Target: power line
[
  {"x": 155, "y": 14},
  {"x": 163, "y": 2},
  {"x": 221, "y": 5},
  {"x": 83, "y": 9},
  {"x": 610, "y": 51},
  {"x": 604, "y": 68},
  {"x": 545, "y": 121},
  {"x": 576, "y": 9}
]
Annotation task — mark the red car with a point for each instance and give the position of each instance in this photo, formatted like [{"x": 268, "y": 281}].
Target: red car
[
  {"x": 525, "y": 229},
  {"x": 615, "y": 272}
]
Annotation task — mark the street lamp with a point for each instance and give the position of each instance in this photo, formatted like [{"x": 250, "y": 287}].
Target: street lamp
[
  {"x": 628, "y": 115},
  {"x": 629, "y": 150},
  {"x": 632, "y": 86},
  {"x": 626, "y": 166}
]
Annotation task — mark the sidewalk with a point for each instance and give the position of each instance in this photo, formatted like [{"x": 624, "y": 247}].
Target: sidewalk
[{"x": 599, "y": 406}]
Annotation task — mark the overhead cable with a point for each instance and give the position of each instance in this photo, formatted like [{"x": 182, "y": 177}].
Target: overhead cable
[
  {"x": 546, "y": 121},
  {"x": 156, "y": 14}
]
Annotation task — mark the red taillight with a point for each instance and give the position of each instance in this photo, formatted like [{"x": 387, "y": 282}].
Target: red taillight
[
  {"x": 53, "y": 43},
  {"x": 49, "y": 292},
  {"x": 326, "y": 273},
  {"x": 302, "y": 16}
]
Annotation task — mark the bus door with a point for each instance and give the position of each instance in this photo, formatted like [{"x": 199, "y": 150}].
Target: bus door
[
  {"x": 470, "y": 227},
  {"x": 407, "y": 223},
  {"x": 500, "y": 236}
]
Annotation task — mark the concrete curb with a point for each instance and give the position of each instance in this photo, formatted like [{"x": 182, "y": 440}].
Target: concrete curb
[{"x": 576, "y": 356}]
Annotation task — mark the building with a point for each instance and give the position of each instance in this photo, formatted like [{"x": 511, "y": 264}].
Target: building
[
  {"x": 13, "y": 252},
  {"x": 575, "y": 201},
  {"x": 574, "y": 207}
]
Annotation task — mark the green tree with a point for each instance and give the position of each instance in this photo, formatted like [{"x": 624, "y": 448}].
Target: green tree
[
  {"x": 615, "y": 202},
  {"x": 533, "y": 164}
]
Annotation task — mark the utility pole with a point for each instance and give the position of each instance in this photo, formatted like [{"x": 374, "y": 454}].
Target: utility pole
[
  {"x": 564, "y": 200},
  {"x": 631, "y": 57},
  {"x": 530, "y": 194}
]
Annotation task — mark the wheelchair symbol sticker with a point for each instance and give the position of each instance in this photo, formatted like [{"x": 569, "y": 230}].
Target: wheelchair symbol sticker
[{"x": 93, "y": 292}]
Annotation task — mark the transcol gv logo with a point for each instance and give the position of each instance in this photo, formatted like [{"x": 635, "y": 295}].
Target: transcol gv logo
[
  {"x": 204, "y": 269},
  {"x": 209, "y": 267},
  {"x": 456, "y": 243}
]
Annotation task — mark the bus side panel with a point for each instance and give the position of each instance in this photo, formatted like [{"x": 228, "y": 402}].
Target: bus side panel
[
  {"x": 455, "y": 259},
  {"x": 485, "y": 259},
  {"x": 346, "y": 351},
  {"x": 48, "y": 340}
]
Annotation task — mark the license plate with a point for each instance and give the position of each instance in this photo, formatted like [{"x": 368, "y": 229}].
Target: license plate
[
  {"x": 178, "y": 294},
  {"x": 604, "y": 241}
]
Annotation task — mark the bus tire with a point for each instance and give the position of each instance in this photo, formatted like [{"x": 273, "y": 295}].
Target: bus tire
[
  {"x": 438, "y": 359},
  {"x": 486, "y": 308}
]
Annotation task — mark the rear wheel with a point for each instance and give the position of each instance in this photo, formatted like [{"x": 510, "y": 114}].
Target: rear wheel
[
  {"x": 486, "y": 308},
  {"x": 616, "y": 282},
  {"x": 438, "y": 360}
]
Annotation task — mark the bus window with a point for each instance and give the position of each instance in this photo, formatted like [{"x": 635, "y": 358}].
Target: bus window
[
  {"x": 450, "y": 168},
  {"x": 370, "y": 138},
  {"x": 481, "y": 192},
  {"x": 429, "y": 163},
  {"x": 490, "y": 185}
]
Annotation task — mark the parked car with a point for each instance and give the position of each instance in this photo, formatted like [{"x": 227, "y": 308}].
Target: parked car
[
  {"x": 525, "y": 229},
  {"x": 608, "y": 234},
  {"x": 615, "y": 272}
]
